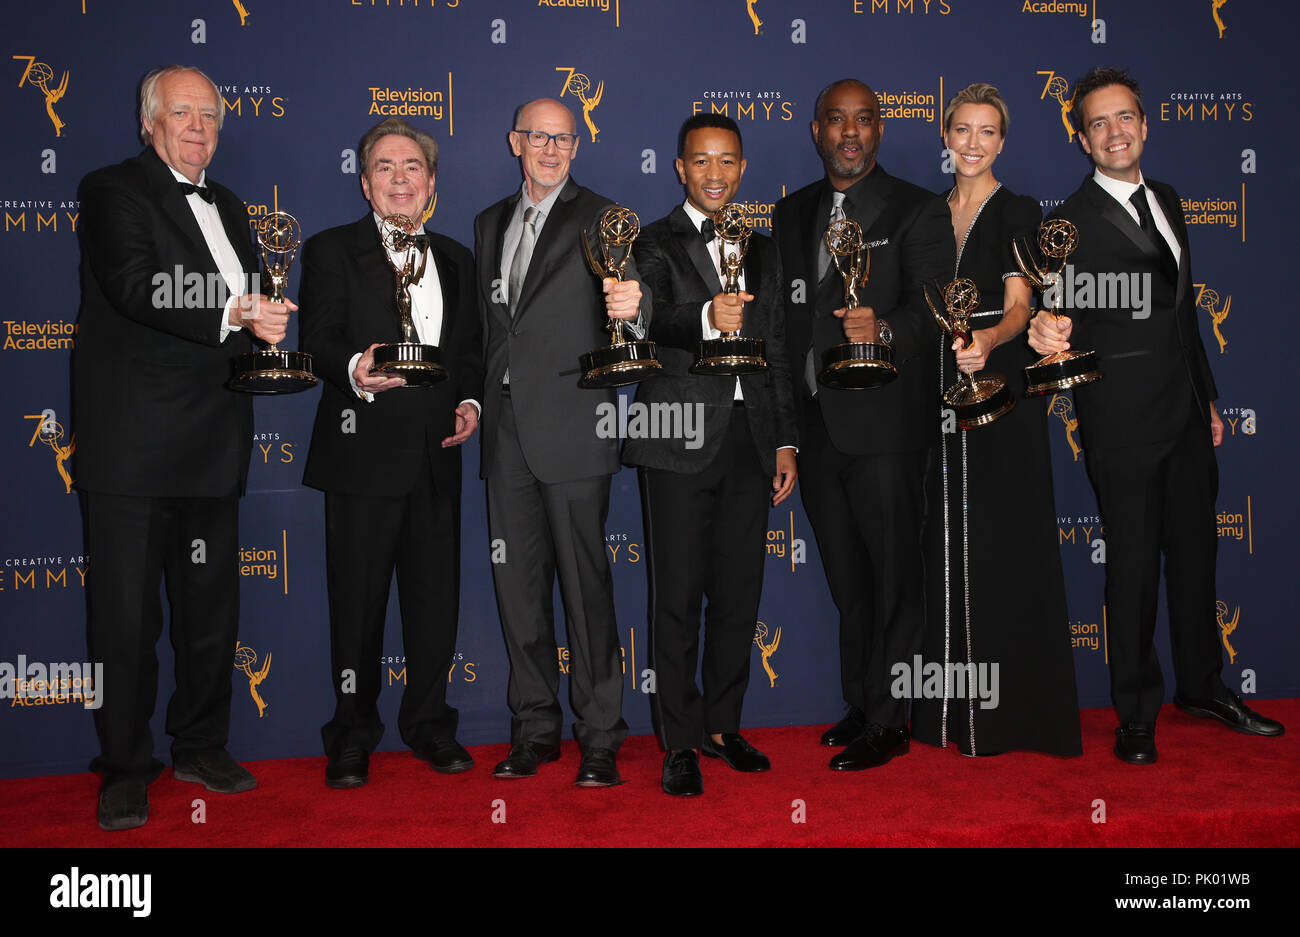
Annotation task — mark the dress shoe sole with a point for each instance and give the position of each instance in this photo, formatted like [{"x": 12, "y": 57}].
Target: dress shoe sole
[
  {"x": 236, "y": 788},
  {"x": 125, "y": 823},
  {"x": 732, "y": 765},
  {"x": 1235, "y": 727},
  {"x": 458, "y": 768},
  {"x": 863, "y": 766},
  {"x": 591, "y": 782},
  {"x": 343, "y": 784},
  {"x": 512, "y": 775},
  {"x": 694, "y": 793},
  {"x": 1136, "y": 759}
]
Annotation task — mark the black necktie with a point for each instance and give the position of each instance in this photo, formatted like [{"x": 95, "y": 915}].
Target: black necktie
[
  {"x": 706, "y": 230},
  {"x": 421, "y": 241},
  {"x": 1148, "y": 223},
  {"x": 202, "y": 191}
]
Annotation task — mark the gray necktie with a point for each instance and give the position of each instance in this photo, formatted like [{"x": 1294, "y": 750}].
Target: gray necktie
[
  {"x": 823, "y": 255},
  {"x": 823, "y": 266},
  {"x": 523, "y": 254}
]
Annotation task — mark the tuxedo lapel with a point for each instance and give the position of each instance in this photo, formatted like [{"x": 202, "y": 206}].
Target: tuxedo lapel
[
  {"x": 1172, "y": 211},
  {"x": 753, "y": 279},
  {"x": 1118, "y": 216},
  {"x": 494, "y": 236},
  {"x": 376, "y": 277},
  {"x": 689, "y": 240}
]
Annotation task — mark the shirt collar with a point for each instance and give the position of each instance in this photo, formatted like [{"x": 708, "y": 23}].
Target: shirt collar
[
  {"x": 379, "y": 223},
  {"x": 544, "y": 206},
  {"x": 697, "y": 217},
  {"x": 203, "y": 175},
  {"x": 1117, "y": 189}
]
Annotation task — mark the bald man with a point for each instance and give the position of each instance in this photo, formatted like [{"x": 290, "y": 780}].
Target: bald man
[
  {"x": 546, "y": 468},
  {"x": 864, "y": 452}
]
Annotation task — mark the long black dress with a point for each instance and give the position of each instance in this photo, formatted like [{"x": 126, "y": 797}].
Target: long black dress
[{"x": 995, "y": 590}]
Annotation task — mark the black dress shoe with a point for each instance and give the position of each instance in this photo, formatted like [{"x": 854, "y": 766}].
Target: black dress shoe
[
  {"x": 598, "y": 769},
  {"x": 349, "y": 768},
  {"x": 847, "y": 729},
  {"x": 1233, "y": 713},
  {"x": 736, "y": 752},
  {"x": 524, "y": 758},
  {"x": 1135, "y": 742},
  {"x": 682, "y": 773},
  {"x": 874, "y": 747},
  {"x": 447, "y": 756},
  {"x": 215, "y": 770},
  {"x": 123, "y": 805}
]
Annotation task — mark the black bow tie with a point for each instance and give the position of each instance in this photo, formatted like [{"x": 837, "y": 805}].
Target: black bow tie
[
  {"x": 706, "y": 230},
  {"x": 202, "y": 191}
]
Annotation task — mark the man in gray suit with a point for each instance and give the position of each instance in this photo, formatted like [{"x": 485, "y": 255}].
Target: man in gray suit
[{"x": 546, "y": 468}]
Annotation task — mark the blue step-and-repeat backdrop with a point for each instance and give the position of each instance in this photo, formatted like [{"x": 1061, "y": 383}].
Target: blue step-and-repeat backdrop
[{"x": 301, "y": 80}]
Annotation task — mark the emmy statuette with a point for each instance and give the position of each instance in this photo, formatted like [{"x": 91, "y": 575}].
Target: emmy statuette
[
  {"x": 272, "y": 370},
  {"x": 733, "y": 353},
  {"x": 853, "y": 365},
  {"x": 1057, "y": 239},
  {"x": 621, "y": 361},
  {"x": 417, "y": 363},
  {"x": 977, "y": 401}
]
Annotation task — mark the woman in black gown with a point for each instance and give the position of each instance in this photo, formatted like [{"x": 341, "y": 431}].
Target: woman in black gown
[{"x": 995, "y": 591}]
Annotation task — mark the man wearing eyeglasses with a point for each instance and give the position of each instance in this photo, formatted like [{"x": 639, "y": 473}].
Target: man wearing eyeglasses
[{"x": 547, "y": 470}]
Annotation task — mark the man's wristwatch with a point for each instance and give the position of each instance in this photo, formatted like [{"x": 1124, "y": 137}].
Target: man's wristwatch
[{"x": 885, "y": 332}]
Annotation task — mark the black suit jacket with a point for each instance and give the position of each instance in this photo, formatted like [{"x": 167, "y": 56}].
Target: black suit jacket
[
  {"x": 909, "y": 231},
  {"x": 152, "y": 412},
  {"x": 559, "y": 317},
  {"x": 675, "y": 264},
  {"x": 349, "y": 301},
  {"x": 1154, "y": 364}
]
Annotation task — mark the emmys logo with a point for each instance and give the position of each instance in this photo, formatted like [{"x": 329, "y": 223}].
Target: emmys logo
[
  {"x": 1227, "y": 626},
  {"x": 899, "y": 7},
  {"x": 1062, "y": 407},
  {"x": 17, "y": 220},
  {"x": 242, "y": 11},
  {"x": 753, "y": 18},
  {"x": 1240, "y": 420},
  {"x": 55, "y": 567},
  {"x": 615, "y": 544},
  {"x": 255, "y": 100},
  {"x": 739, "y": 104},
  {"x": 50, "y": 433},
  {"x": 245, "y": 660},
  {"x": 1218, "y": 21},
  {"x": 466, "y": 669},
  {"x": 1207, "y": 106},
  {"x": 579, "y": 85},
  {"x": 1208, "y": 300},
  {"x": 1057, "y": 86},
  {"x": 39, "y": 75},
  {"x": 767, "y": 648},
  {"x": 1081, "y": 531}
]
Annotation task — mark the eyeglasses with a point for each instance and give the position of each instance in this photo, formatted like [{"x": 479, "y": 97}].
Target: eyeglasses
[{"x": 540, "y": 138}]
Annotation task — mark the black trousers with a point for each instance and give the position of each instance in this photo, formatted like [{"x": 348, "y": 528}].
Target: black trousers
[
  {"x": 706, "y": 540},
  {"x": 545, "y": 530},
  {"x": 367, "y": 538},
  {"x": 1160, "y": 499},
  {"x": 866, "y": 512},
  {"x": 133, "y": 542}
]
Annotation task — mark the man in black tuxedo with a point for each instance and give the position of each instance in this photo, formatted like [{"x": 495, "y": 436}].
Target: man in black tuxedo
[
  {"x": 864, "y": 452},
  {"x": 705, "y": 494},
  {"x": 546, "y": 467},
  {"x": 162, "y": 442},
  {"x": 387, "y": 457},
  {"x": 1149, "y": 426}
]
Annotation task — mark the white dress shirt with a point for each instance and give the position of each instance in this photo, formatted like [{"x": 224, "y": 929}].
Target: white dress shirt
[
  {"x": 1123, "y": 191},
  {"x": 219, "y": 246}
]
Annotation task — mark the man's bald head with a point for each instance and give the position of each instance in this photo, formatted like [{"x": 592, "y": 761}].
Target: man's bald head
[{"x": 547, "y": 166}]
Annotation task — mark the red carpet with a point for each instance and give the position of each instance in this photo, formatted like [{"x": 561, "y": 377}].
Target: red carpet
[{"x": 1211, "y": 787}]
